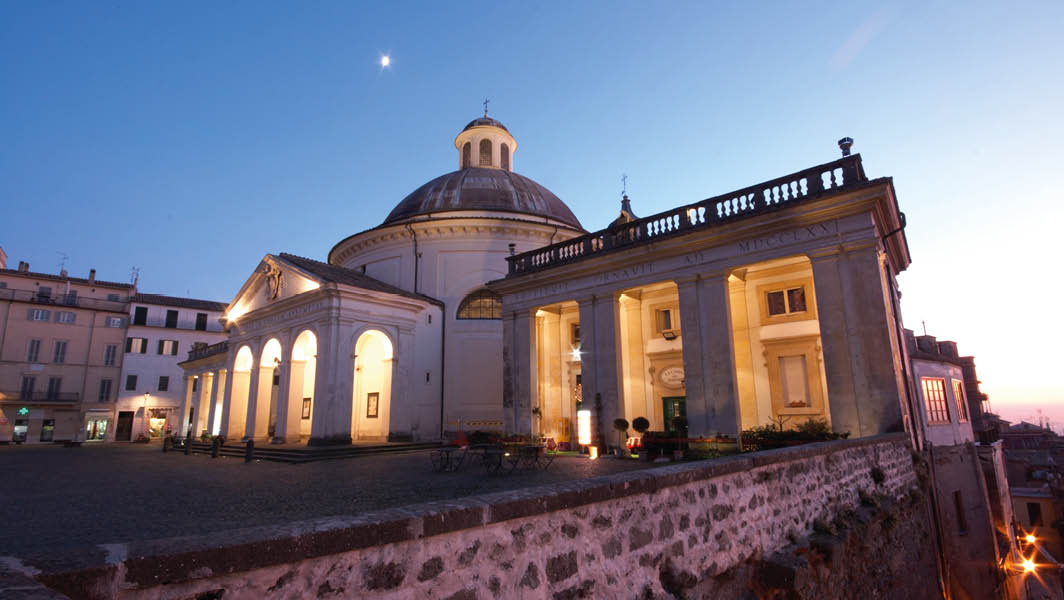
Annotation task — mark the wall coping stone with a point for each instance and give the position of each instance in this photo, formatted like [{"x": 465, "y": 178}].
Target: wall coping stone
[{"x": 143, "y": 564}]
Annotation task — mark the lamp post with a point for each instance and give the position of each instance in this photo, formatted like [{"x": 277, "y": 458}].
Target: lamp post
[{"x": 144, "y": 418}]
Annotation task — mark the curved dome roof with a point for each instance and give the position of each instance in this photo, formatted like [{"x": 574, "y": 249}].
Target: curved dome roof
[
  {"x": 483, "y": 189},
  {"x": 485, "y": 121}
]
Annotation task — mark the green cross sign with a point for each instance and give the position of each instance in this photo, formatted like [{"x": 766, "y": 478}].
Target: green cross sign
[{"x": 23, "y": 411}]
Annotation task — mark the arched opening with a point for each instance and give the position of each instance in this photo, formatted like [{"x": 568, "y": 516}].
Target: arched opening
[
  {"x": 263, "y": 419},
  {"x": 481, "y": 304},
  {"x": 467, "y": 151},
  {"x": 371, "y": 405},
  {"x": 238, "y": 400},
  {"x": 504, "y": 156},
  {"x": 485, "y": 153},
  {"x": 300, "y": 397}
]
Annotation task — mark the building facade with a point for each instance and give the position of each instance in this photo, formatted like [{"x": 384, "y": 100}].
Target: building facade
[
  {"x": 61, "y": 341},
  {"x": 162, "y": 330}
]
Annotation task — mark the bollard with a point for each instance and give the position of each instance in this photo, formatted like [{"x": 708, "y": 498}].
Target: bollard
[
  {"x": 188, "y": 443},
  {"x": 249, "y": 451},
  {"x": 215, "y": 442},
  {"x": 166, "y": 443}
]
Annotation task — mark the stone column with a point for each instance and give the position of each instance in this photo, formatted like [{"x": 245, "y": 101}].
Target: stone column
[
  {"x": 290, "y": 409},
  {"x": 518, "y": 371},
  {"x": 186, "y": 406},
  {"x": 708, "y": 356},
  {"x": 240, "y": 387},
  {"x": 402, "y": 409},
  {"x": 333, "y": 387},
  {"x": 859, "y": 363},
  {"x": 203, "y": 403},
  {"x": 633, "y": 351},
  {"x": 601, "y": 365},
  {"x": 217, "y": 389},
  {"x": 280, "y": 427}
]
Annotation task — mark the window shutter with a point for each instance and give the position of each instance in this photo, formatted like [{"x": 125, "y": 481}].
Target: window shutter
[
  {"x": 173, "y": 349},
  {"x": 160, "y": 350},
  {"x": 129, "y": 344},
  {"x": 143, "y": 345}
]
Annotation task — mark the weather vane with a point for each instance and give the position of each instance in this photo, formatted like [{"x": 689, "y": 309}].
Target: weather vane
[
  {"x": 486, "y": 100},
  {"x": 624, "y": 184}
]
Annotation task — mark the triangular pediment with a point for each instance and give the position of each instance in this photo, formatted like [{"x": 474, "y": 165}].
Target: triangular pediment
[{"x": 273, "y": 280}]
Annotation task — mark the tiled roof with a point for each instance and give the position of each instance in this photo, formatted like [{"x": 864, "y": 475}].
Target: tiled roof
[
  {"x": 78, "y": 280},
  {"x": 178, "y": 302},
  {"x": 351, "y": 277}
]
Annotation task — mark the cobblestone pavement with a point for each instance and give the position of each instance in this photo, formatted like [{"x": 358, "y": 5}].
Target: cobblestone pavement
[{"x": 53, "y": 497}]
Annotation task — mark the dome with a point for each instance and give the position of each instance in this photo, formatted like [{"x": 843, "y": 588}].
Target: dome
[
  {"x": 485, "y": 121},
  {"x": 477, "y": 188}
]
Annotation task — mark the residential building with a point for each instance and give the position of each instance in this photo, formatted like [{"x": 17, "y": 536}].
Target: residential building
[
  {"x": 162, "y": 330},
  {"x": 61, "y": 340}
]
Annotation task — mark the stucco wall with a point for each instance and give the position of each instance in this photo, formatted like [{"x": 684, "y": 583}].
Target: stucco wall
[{"x": 681, "y": 527}]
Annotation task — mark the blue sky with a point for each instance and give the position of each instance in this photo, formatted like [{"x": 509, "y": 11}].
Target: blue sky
[{"x": 189, "y": 139}]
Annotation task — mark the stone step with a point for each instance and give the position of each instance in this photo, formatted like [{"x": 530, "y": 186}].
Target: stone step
[{"x": 308, "y": 454}]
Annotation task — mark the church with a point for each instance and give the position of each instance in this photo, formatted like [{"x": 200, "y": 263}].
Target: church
[{"x": 481, "y": 302}]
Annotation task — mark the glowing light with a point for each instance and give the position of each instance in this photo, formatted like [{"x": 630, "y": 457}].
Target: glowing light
[
  {"x": 576, "y": 354},
  {"x": 235, "y": 313},
  {"x": 1030, "y": 538},
  {"x": 593, "y": 452},
  {"x": 1028, "y": 565},
  {"x": 386, "y": 61},
  {"x": 583, "y": 427}
]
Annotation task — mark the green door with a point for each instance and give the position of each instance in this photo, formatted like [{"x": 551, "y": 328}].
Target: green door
[{"x": 672, "y": 407}]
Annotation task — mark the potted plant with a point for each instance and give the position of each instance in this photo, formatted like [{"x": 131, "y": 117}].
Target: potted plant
[
  {"x": 641, "y": 424},
  {"x": 621, "y": 425}
]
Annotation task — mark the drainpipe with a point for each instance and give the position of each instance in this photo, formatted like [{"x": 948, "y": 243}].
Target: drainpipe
[
  {"x": 417, "y": 255},
  {"x": 443, "y": 362}
]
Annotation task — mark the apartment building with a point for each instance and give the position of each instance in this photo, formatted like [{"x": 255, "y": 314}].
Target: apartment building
[
  {"x": 60, "y": 355},
  {"x": 162, "y": 330}
]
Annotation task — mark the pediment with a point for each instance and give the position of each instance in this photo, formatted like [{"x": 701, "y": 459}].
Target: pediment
[{"x": 273, "y": 280}]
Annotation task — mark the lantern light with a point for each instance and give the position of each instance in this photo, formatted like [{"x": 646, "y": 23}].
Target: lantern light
[
  {"x": 1030, "y": 538},
  {"x": 592, "y": 452},
  {"x": 583, "y": 427},
  {"x": 1028, "y": 565}
]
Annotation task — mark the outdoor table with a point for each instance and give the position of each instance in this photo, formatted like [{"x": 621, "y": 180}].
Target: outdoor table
[{"x": 447, "y": 458}]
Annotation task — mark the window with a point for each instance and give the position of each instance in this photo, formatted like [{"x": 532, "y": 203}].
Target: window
[
  {"x": 574, "y": 334},
  {"x": 504, "y": 155},
  {"x": 786, "y": 301},
  {"x": 958, "y": 399},
  {"x": 467, "y": 150},
  {"x": 935, "y": 400},
  {"x": 485, "y": 153},
  {"x": 39, "y": 314},
  {"x": 71, "y": 298},
  {"x": 195, "y": 384},
  {"x": 44, "y": 293},
  {"x": 131, "y": 383},
  {"x": 65, "y": 316},
  {"x": 33, "y": 353},
  {"x": 59, "y": 356},
  {"x": 167, "y": 347},
  {"x": 794, "y": 375},
  {"x": 136, "y": 345},
  {"x": 201, "y": 321},
  {"x": 1034, "y": 514},
  {"x": 47, "y": 429},
  {"x": 665, "y": 322},
  {"x": 28, "y": 383},
  {"x": 55, "y": 384},
  {"x": 481, "y": 304},
  {"x": 164, "y": 383},
  {"x": 140, "y": 315},
  {"x": 114, "y": 322},
  {"x": 22, "y": 426},
  {"x": 171, "y": 319},
  {"x": 110, "y": 353},
  {"x": 958, "y": 507},
  {"x": 105, "y": 390},
  {"x": 114, "y": 298}
]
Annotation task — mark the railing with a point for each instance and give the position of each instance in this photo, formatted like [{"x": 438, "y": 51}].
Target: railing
[
  {"x": 64, "y": 300},
  {"x": 988, "y": 436},
  {"x": 205, "y": 351},
  {"x": 776, "y": 194},
  {"x": 39, "y": 397}
]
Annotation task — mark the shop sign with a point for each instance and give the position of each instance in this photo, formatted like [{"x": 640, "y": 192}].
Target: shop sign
[{"x": 23, "y": 411}]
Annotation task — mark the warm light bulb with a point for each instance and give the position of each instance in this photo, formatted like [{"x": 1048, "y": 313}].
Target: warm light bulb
[
  {"x": 386, "y": 60},
  {"x": 592, "y": 452},
  {"x": 1028, "y": 565},
  {"x": 1030, "y": 538}
]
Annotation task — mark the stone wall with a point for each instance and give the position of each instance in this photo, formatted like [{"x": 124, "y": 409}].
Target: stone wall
[{"x": 830, "y": 520}]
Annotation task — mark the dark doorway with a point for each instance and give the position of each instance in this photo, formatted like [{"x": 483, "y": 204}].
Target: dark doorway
[
  {"x": 671, "y": 408},
  {"x": 124, "y": 427}
]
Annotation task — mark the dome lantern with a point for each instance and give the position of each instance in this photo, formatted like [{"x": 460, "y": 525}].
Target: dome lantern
[{"x": 485, "y": 143}]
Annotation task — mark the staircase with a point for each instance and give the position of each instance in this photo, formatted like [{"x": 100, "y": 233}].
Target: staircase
[{"x": 305, "y": 454}]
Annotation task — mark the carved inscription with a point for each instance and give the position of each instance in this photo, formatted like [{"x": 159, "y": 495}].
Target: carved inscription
[
  {"x": 288, "y": 315},
  {"x": 622, "y": 274},
  {"x": 784, "y": 238},
  {"x": 541, "y": 292}
]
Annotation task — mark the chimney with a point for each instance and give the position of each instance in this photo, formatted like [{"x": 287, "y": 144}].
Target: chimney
[
  {"x": 23, "y": 266},
  {"x": 845, "y": 144},
  {"x": 92, "y": 276}
]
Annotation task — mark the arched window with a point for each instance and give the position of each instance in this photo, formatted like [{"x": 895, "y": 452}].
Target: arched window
[
  {"x": 485, "y": 153},
  {"x": 481, "y": 304},
  {"x": 467, "y": 150},
  {"x": 504, "y": 154}
]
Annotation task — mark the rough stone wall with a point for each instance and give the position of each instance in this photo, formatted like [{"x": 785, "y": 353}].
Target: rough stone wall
[{"x": 833, "y": 520}]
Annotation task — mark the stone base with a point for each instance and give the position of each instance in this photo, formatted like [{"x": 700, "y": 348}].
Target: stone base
[{"x": 336, "y": 440}]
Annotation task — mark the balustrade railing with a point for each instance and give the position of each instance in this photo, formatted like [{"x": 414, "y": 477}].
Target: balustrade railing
[
  {"x": 205, "y": 351},
  {"x": 60, "y": 300},
  {"x": 758, "y": 199},
  {"x": 41, "y": 397}
]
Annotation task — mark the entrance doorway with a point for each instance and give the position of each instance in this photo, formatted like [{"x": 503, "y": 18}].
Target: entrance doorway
[
  {"x": 671, "y": 408},
  {"x": 124, "y": 427}
]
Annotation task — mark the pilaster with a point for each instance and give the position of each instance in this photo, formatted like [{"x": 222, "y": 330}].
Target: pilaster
[
  {"x": 601, "y": 368},
  {"x": 186, "y": 406}
]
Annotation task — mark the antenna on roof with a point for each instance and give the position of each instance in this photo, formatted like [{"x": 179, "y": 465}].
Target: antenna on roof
[
  {"x": 63, "y": 257},
  {"x": 134, "y": 275},
  {"x": 924, "y": 323}
]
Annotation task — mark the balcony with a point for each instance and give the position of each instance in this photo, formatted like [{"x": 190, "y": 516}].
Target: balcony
[
  {"x": 41, "y": 397},
  {"x": 205, "y": 351},
  {"x": 61, "y": 300},
  {"x": 783, "y": 192}
]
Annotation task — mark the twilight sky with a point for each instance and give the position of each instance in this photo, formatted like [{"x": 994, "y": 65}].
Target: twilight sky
[{"x": 189, "y": 139}]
